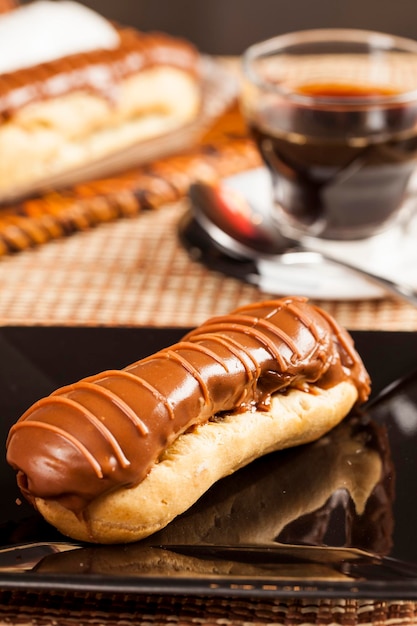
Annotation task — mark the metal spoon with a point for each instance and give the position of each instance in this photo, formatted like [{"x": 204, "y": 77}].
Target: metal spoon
[{"x": 238, "y": 230}]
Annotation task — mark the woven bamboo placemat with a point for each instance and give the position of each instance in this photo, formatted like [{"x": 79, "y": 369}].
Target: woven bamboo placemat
[
  {"x": 68, "y": 609},
  {"x": 135, "y": 272}
]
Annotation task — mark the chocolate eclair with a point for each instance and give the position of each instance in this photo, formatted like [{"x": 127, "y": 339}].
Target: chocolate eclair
[
  {"x": 116, "y": 456},
  {"x": 82, "y": 89}
]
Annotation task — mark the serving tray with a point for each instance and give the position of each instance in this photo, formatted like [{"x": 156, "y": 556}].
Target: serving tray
[{"x": 335, "y": 518}]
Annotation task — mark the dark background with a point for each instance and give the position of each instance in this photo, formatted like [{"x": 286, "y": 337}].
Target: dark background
[{"x": 229, "y": 26}]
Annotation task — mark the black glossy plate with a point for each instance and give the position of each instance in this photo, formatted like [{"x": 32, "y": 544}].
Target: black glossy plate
[{"x": 334, "y": 518}]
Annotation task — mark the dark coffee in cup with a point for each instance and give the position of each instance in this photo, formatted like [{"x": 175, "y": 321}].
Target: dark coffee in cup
[
  {"x": 338, "y": 185},
  {"x": 341, "y": 151}
]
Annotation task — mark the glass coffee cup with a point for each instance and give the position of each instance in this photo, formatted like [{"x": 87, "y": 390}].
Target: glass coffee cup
[{"x": 334, "y": 115}]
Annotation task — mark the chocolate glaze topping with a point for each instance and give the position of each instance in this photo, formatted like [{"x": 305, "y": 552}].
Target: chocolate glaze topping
[
  {"x": 99, "y": 71},
  {"x": 108, "y": 430}
]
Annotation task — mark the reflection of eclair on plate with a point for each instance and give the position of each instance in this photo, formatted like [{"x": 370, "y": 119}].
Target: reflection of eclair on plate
[
  {"x": 74, "y": 89},
  {"x": 142, "y": 560},
  {"x": 117, "y": 456},
  {"x": 258, "y": 503},
  {"x": 248, "y": 511}
]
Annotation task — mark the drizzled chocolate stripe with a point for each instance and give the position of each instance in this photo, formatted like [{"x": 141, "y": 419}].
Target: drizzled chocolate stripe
[
  {"x": 114, "y": 374},
  {"x": 238, "y": 324},
  {"x": 108, "y": 395},
  {"x": 341, "y": 335},
  {"x": 44, "y": 426},
  {"x": 127, "y": 418},
  {"x": 236, "y": 349},
  {"x": 96, "y": 423}
]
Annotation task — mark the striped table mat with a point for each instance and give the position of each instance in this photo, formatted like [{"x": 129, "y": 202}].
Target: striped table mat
[
  {"x": 134, "y": 271},
  {"x": 90, "y": 609}
]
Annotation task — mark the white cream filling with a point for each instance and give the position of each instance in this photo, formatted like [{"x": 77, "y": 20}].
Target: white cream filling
[{"x": 46, "y": 30}]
